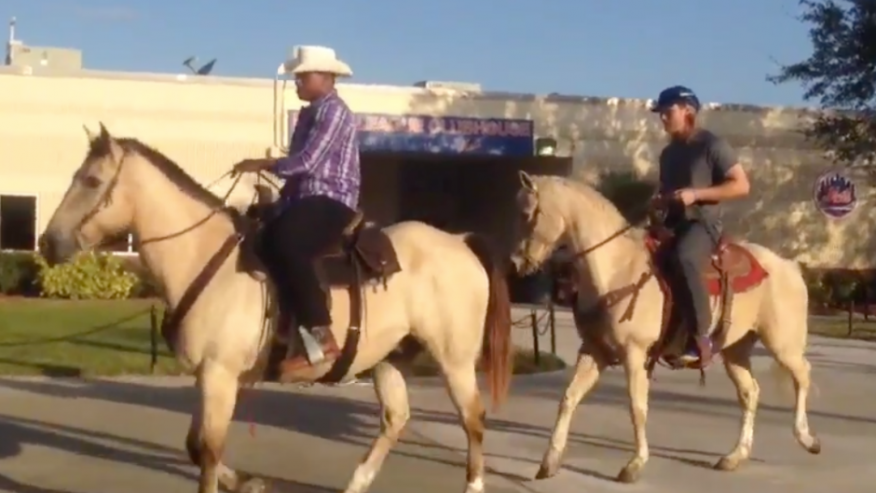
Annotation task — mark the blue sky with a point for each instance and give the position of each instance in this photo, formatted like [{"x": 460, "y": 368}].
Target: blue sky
[{"x": 627, "y": 48}]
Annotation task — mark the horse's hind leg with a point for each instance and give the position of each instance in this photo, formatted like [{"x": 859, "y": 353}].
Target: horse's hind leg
[
  {"x": 737, "y": 362},
  {"x": 209, "y": 428},
  {"x": 795, "y": 363},
  {"x": 587, "y": 372},
  {"x": 392, "y": 394}
]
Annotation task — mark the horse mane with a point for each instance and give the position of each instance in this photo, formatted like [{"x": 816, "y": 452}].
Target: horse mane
[
  {"x": 595, "y": 199},
  {"x": 593, "y": 196},
  {"x": 166, "y": 166}
]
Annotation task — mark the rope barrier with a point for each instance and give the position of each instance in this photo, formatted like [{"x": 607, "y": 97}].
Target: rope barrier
[{"x": 85, "y": 333}]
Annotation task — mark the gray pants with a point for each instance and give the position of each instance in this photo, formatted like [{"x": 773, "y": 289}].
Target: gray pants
[{"x": 693, "y": 245}]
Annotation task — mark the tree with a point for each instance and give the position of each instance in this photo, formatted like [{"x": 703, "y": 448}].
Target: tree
[{"x": 840, "y": 75}]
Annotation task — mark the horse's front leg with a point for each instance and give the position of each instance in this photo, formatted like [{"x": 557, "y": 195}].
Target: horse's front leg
[
  {"x": 587, "y": 372},
  {"x": 637, "y": 386},
  {"x": 737, "y": 362},
  {"x": 209, "y": 428},
  {"x": 392, "y": 394}
]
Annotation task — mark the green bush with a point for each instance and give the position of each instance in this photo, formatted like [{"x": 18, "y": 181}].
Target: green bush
[
  {"x": 629, "y": 192},
  {"x": 18, "y": 273},
  {"x": 820, "y": 292},
  {"x": 842, "y": 286},
  {"x": 89, "y": 276}
]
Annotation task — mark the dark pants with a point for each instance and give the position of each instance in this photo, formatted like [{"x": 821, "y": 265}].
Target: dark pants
[
  {"x": 292, "y": 242},
  {"x": 693, "y": 245}
]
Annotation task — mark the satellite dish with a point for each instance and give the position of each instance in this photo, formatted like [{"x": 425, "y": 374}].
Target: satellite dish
[
  {"x": 207, "y": 68},
  {"x": 204, "y": 70}
]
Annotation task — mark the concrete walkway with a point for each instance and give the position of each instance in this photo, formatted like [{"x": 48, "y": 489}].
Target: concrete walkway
[{"x": 126, "y": 436}]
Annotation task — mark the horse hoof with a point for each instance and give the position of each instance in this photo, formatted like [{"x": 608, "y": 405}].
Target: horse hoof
[
  {"x": 629, "y": 474},
  {"x": 726, "y": 464},
  {"x": 253, "y": 485},
  {"x": 815, "y": 448},
  {"x": 545, "y": 472}
]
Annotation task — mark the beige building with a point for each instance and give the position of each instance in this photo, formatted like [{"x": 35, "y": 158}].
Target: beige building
[{"x": 208, "y": 123}]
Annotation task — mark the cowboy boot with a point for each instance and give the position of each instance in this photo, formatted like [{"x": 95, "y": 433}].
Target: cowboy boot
[{"x": 320, "y": 349}]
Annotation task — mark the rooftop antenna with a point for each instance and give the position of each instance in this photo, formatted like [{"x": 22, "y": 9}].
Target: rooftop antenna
[
  {"x": 204, "y": 70},
  {"x": 12, "y": 42}
]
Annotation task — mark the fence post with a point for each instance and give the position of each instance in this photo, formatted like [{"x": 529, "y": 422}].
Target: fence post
[
  {"x": 851, "y": 318},
  {"x": 153, "y": 338},
  {"x": 552, "y": 320},
  {"x": 536, "y": 353}
]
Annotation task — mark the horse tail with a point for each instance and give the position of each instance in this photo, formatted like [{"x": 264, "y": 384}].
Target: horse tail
[{"x": 497, "y": 357}]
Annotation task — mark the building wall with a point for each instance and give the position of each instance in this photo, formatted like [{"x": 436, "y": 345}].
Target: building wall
[{"x": 206, "y": 124}]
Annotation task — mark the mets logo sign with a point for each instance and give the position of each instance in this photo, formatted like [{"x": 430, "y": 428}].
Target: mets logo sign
[{"x": 835, "y": 195}]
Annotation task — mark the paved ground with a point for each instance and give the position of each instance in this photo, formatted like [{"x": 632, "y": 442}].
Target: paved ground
[{"x": 125, "y": 436}]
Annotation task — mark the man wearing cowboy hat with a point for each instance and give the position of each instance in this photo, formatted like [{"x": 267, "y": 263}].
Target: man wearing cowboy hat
[{"x": 318, "y": 200}]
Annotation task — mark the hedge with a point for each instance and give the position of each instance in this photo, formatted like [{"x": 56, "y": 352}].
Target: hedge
[
  {"x": 18, "y": 274},
  {"x": 89, "y": 276}
]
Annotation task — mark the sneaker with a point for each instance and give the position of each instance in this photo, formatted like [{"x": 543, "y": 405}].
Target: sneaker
[
  {"x": 704, "y": 345},
  {"x": 701, "y": 352}
]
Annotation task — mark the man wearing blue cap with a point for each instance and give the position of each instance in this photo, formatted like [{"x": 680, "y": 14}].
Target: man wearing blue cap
[{"x": 698, "y": 171}]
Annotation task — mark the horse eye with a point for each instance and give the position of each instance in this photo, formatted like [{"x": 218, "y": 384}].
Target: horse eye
[{"x": 91, "y": 182}]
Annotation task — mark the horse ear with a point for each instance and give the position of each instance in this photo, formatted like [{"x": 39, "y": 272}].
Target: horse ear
[
  {"x": 104, "y": 133},
  {"x": 527, "y": 182},
  {"x": 115, "y": 150},
  {"x": 88, "y": 133}
]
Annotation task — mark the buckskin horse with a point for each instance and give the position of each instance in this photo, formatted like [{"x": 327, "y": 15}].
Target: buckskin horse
[
  {"x": 444, "y": 292},
  {"x": 624, "y": 312}
]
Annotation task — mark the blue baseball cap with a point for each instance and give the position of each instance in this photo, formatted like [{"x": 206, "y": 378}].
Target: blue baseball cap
[{"x": 674, "y": 95}]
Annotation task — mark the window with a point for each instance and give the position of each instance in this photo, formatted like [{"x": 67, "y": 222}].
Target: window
[{"x": 18, "y": 222}]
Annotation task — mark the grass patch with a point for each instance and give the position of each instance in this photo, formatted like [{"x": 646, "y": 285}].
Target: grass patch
[
  {"x": 524, "y": 363},
  {"x": 838, "y": 327},
  {"x": 110, "y": 338},
  {"x": 78, "y": 338},
  {"x": 106, "y": 338}
]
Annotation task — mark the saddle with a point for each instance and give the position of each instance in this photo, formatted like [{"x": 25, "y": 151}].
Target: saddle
[
  {"x": 363, "y": 255},
  {"x": 732, "y": 269}
]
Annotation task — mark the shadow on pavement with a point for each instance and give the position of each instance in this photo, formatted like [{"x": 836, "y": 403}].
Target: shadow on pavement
[
  {"x": 17, "y": 433},
  {"x": 329, "y": 417},
  {"x": 9, "y": 484},
  {"x": 339, "y": 419}
]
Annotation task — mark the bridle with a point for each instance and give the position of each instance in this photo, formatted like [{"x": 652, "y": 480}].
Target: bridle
[
  {"x": 105, "y": 201},
  {"x": 533, "y": 238}
]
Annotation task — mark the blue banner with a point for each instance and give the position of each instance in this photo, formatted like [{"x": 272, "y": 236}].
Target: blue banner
[{"x": 442, "y": 135}]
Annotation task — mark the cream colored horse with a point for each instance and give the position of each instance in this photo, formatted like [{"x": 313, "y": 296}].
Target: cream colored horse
[
  {"x": 450, "y": 296},
  {"x": 553, "y": 210}
]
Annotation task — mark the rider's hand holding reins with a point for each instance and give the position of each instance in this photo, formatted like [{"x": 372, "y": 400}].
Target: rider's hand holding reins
[
  {"x": 687, "y": 196},
  {"x": 251, "y": 166}
]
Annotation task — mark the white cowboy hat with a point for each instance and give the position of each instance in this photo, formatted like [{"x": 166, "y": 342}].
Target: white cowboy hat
[{"x": 316, "y": 59}]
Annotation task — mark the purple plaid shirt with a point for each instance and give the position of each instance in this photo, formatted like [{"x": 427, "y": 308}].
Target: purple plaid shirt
[{"x": 323, "y": 155}]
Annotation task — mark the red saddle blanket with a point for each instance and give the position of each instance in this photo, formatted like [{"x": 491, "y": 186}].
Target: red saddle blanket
[{"x": 730, "y": 259}]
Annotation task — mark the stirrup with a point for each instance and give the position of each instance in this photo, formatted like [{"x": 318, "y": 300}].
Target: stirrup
[
  {"x": 686, "y": 358},
  {"x": 312, "y": 347}
]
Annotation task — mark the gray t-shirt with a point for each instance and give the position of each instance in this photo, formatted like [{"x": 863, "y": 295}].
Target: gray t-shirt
[{"x": 701, "y": 162}]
